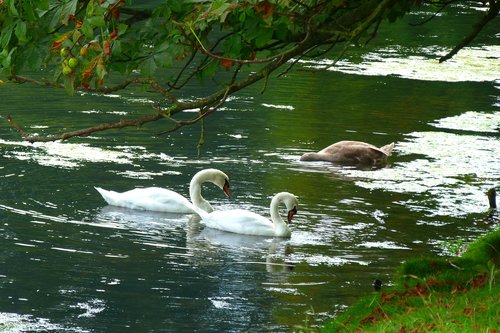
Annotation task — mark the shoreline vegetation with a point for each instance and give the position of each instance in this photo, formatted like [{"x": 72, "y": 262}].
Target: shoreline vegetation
[{"x": 432, "y": 294}]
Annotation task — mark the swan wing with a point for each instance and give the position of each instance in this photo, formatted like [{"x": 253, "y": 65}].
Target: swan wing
[
  {"x": 354, "y": 152},
  {"x": 150, "y": 198},
  {"x": 239, "y": 221}
]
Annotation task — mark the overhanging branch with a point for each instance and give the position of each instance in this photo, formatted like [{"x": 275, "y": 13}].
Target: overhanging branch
[
  {"x": 476, "y": 29},
  {"x": 86, "y": 131},
  {"x": 202, "y": 114}
]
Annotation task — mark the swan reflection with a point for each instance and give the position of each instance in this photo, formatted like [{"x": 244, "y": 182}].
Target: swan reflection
[{"x": 271, "y": 252}]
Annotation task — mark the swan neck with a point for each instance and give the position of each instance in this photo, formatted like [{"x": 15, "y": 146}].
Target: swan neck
[
  {"x": 195, "y": 193},
  {"x": 278, "y": 221},
  {"x": 316, "y": 157}
]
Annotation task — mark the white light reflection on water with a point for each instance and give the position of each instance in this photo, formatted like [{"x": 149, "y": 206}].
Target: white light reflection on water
[
  {"x": 470, "y": 64},
  {"x": 72, "y": 156},
  {"x": 471, "y": 121},
  {"x": 64, "y": 155},
  {"x": 15, "y": 323},
  {"x": 91, "y": 308},
  {"x": 456, "y": 169},
  {"x": 37, "y": 216}
]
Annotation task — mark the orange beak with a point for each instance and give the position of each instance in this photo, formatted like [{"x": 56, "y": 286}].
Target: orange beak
[
  {"x": 291, "y": 213},
  {"x": 226, "y": 189}
]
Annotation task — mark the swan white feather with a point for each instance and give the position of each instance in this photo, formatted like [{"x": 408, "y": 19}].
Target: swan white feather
[
  {"x": 249, "y": 223},
  {"x": 165, "y": 200}
]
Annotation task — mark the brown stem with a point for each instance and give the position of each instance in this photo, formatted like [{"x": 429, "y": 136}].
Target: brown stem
[{"x": 86, "y": 131}]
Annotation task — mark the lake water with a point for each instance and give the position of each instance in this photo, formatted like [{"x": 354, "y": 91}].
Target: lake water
[{"x": 69, "y": 263}]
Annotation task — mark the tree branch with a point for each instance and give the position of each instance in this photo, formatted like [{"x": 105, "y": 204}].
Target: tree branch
[
  {"x": 491, "y": 14},
  {"x": 435, "y": 14},
  {"x": 202, "y": 114},
  {"x": 317, "y": 27},
  {"x": 238, "y": 61},
  {"x": 155, "y": 85},
  {"x": 86, "y": 131},
  {"x": 106, "y": 90}
]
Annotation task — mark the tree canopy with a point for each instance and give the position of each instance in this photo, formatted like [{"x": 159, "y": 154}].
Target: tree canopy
[{"x": 105, "y": 46}]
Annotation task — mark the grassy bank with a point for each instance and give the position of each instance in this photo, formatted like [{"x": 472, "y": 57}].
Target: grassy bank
[{"x": 458, "y": 294}]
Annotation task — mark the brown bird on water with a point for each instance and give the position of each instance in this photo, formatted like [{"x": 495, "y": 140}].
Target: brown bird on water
[{"x": 354, "y": 153}]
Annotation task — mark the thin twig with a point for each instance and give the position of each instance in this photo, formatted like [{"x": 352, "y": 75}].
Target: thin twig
[
  {"x": 491, "y": 14},
  {"x": 86, "y": 131},
  {"x": 435, "y": 14},
  {"x": 234, "y": 60},
  {"x": 202, "y": 114}
]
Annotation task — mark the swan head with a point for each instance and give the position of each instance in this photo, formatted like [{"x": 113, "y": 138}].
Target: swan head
[
  {"x": 309, "y": 157},
  {"x": 215, "y": 176},
  {"x": 220, "y": 179}
]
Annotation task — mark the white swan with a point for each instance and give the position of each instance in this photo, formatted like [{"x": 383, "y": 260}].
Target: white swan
[
  {"x": 249, "y": 223},
  {"x": 164, "y": 200}
]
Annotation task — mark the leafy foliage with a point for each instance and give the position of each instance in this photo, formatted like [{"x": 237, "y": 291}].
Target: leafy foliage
[{"x": 89, "y": 44}]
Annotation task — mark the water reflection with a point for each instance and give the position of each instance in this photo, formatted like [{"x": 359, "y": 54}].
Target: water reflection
[
  {"x": 443, "y": 164},
  {"x": 14, "y": 323},
  {"x": 470, "y": 64},
  {"x": 65, "y": 260}
]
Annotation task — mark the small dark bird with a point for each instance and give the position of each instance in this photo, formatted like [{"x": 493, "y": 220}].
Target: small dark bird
[
  {"x": 491, "y": 218},
  {"x": 492, "y": 196},
  {"x": 377, "y": 285}
]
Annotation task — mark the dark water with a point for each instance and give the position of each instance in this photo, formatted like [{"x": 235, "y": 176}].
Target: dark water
[{"x": 70, "y": 263}]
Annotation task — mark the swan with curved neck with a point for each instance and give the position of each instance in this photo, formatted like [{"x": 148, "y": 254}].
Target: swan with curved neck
[
  {"x": 164, "y": 200},
  {"x": 242, "y": 221},
  {"x": 352, "y": 153}
]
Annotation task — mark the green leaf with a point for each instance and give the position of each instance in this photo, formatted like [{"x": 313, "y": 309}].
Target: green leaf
[
  {"x": 97, "y": 21},
  {"x": 21, "y": 31},
  {"x": 12, "y": 8},
  {"x": 69, "y": 81},
  {"x": 220, "y": 10},
  {"x": 77, "y": 34},
  {"x": 164, "y": 59},
  {"x": 263, "y": 37},
  {"x": 87, "y": 29},
  {"x": 69, "y": 10},
  {"x": 6, "y": 36},
  {"x": 122, "y": 28},
  {"x": 54, "y": 22},
  {"x": 33, "y": 57},
  {"x": 209, "y": 70},
  {"x": 232, "y": 47},
  {"x": 165, "y": 11},
  {"x": 6, "y": 57},
  {"x": 148, "y": 67}
]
